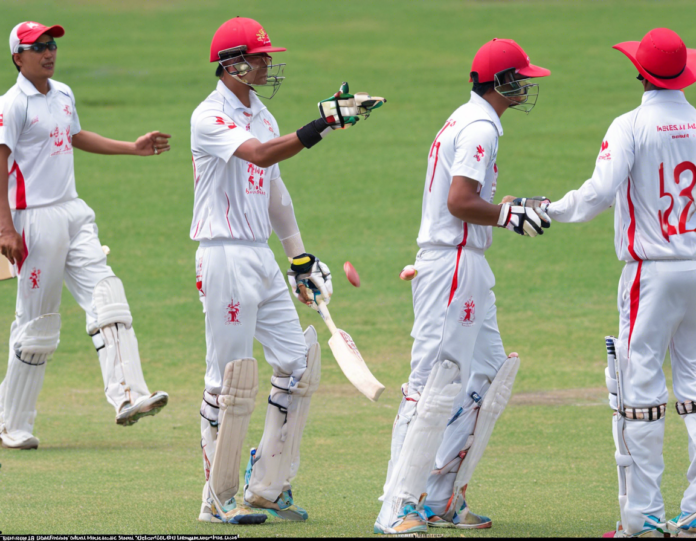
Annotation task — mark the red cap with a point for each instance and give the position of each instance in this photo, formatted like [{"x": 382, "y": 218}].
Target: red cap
[
  {"x": 28, "y": 32},
  {"x": 662, "y": 58},
  {"x": 242, "y": 31},
  {"x": 502, "y": 54}
]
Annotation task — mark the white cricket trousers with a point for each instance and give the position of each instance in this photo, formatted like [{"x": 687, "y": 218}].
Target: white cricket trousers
[
  {"x": 455, "y": 320},
  {"x": 657, "y": 308},
  {"x": 245, "y": 296},
  {"x": 62, "y": 243}
]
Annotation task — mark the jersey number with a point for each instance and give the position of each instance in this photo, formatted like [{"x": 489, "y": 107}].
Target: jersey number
[{"x": 687, "y": 193}]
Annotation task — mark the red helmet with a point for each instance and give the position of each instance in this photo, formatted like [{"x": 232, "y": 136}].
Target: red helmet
[
  {"x": 503, "y": 54},
  {"x": 662, "y": 58},
  {"x": 241, "y": 32}
]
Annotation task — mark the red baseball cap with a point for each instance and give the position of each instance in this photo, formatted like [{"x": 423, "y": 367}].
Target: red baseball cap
[
  {"x": 662, "y": 58},
  {"x": 502, "y": 54},
  {"x": 28, "y": 32},
  {"x": 241, "y": 31}
]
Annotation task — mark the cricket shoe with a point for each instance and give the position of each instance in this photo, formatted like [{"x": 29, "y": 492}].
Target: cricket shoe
[
  {"x": 683, "y": 526},
  {"x": 652, "y": 527},
  {"x": 129, "y": 414},
  {"x": 19, "y": 440},
  {"x": 230, "y": 513},
  {"x": 463, "y": 519},
  {"x": 411, "y": 520}
]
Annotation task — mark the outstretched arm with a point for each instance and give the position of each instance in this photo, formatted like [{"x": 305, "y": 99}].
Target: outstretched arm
[{"x": 150, "y": 144}]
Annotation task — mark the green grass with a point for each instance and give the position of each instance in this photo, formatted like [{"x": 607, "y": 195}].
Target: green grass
[{"x": 140, "y": 66}]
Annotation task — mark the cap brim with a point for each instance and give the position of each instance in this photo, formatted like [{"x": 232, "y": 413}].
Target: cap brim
[
  {"x": 687, "y": 78},
  {"x": 534, "y": 71},
  {"x": 267, "y": 49}
]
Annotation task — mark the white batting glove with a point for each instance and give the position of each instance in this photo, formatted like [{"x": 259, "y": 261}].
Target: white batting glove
[
  {"x": 538, "y": 203},
  {"x": 522, "y": 220},
  {"x": 315, "y": 278}
]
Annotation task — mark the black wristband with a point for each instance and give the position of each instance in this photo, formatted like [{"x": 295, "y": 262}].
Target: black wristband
[{"x": 310, "y": 134}]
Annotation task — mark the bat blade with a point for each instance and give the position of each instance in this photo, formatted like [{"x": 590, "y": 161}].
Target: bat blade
[
  {"x": 7, "y": 270},
  {"x": 353, "y": 365}
]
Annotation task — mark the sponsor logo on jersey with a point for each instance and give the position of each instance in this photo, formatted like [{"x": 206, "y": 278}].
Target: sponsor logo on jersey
[
  {"x": 468, "y": 315},
  {"x": 479, "y": 153},
  {"x": 604, "y": 152},
  {"x": 255, "y": 181},
  {"x": 62, "y": 141},
  {"x": 221, "y": 121},
  {"x": 232, "y": 315},
  {"x": 677, "y": 127},
  {"x": 35, "y": 278},
  {"x": 34, "y": 120}
]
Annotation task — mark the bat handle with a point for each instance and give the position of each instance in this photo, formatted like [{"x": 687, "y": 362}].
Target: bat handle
[{"x": 324, "y": 312}]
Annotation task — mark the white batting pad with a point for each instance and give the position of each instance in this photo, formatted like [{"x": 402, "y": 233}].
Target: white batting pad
[
  {"x": 239, "y": 387},
  {"x": 492, "y": 407},
  {"x": 277, "y": 458},
  {"x": 116, "y": 344},
  {"x": 409, "y": 477},
  {"x": 25, "y": 374}
]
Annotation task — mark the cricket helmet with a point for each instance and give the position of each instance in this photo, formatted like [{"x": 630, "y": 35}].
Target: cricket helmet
[
  {"x": 662, "y": 58},
  {"x": 500, "y": 55},
  {"x": 242, "y": 34},
  {"x": 28, "y": 32}
]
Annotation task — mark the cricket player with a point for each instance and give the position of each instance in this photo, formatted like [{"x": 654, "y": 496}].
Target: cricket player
[
  {"x": 49, "y": 234},
  {"x": 239, "y": 200},
  {"x": 457, "y": 351},
  {"x": 646, "y": 168}
]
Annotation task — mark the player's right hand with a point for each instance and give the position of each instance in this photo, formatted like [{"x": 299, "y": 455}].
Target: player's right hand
[
  {"x": 310, "y": 280},
  {"x": 12, "y": 246},
  {"x": 344, "y": 109},
  {"x": 522, "y": 220}
]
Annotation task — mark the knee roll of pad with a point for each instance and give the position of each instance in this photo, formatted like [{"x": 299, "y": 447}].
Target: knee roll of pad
[
  {"x": 38, "y": 340},
  {"x": 110, "y": 304}
]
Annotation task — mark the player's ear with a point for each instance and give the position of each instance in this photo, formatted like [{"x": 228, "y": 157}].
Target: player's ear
[{"x": 17, "y": 60}]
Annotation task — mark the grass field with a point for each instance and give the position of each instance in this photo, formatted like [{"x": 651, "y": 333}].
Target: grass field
[{"x": 140, "y": 66}]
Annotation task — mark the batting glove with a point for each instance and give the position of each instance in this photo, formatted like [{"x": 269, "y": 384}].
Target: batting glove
[
  {"x": 344, "y": 109},
  {"x": 538, "y": 203},
  {"x": 314, "y": 275},
  {"x": 522, "y": 220}
]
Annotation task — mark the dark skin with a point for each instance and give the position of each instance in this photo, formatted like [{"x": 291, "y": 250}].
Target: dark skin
[
  {"x": 463, "y": 200},
  {"x": 38, "y": 68},
  {"x": 254, "y": 151}
]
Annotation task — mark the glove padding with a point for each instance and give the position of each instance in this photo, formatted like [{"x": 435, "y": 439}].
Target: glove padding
[
  {"x": 538, "y": 203},
  {"x": 309, "y": 275},
  {"x": 522, "y": 220},
  {"x": 344, "y": 109}
]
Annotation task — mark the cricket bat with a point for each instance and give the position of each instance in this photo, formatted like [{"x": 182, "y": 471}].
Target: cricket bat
[
  {"x": 6, "y": 269},
  {"x": 349, "y": 359}
]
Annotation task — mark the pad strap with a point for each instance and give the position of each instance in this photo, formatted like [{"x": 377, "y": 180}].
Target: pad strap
[
  {"x": 653, "y": 413},
  {"x": 686, "y": 407}
]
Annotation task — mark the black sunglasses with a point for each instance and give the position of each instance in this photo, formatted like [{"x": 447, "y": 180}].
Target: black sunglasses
[{"x": 38, "y": 47}]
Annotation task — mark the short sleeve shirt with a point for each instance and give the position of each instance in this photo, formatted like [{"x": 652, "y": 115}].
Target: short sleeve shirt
[
  {"x": 467, "y": 146},
  {"x": 231, "y": 195},
  {"x": 38, "y": 130}
]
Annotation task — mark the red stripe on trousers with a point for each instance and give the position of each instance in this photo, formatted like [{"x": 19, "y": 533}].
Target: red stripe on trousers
[
  {"x": 635, "y": 302},
  {"x": 455, "y": 282}
]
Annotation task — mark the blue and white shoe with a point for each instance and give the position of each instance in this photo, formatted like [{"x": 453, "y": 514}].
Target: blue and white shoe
[
  {"x": 230, "y": 513},
  {"x": 463, "y": 519},
  {"x": 283, "y": 508},
  {"x": 683, "y": 525},
  {"x": 411, "y": 520},
  {"x": 652, "y": 527}
]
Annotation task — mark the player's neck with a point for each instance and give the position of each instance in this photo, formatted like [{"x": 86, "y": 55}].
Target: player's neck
[
  {"x": 40, "y": 83},
  {"x": 238, "y": 89},
  {"x": 499, "y": 104}
]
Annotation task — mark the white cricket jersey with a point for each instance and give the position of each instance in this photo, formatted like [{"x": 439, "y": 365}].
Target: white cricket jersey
[
  {"x": 231, "y": 195},
  {"x": 467, "y": 145},
  {"x": 38, "y": 130},
  {"x": 647, "y": 166}
]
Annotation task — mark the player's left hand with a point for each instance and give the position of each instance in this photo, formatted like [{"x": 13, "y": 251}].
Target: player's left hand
[
  {"x": 310, "y": 280},
  {"x": 344, "y": 109},
  {"x": 539, "y": 203},
  {"x": 152, "y": 144}
]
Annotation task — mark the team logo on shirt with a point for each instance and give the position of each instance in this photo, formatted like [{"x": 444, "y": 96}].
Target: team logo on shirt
[
  {"x": 35, "y": 278},
  {"x": 221, "y": 121},
  {"x": 232, "y": 316},
  {"x": 62, "y": 141},
  {"x": 479, "y": 153},
  {"x": 604, "y": 152},
  {"x": 468, "y": 315},
  {"x": 67, "y": 110},
  {"x": 255, "y": 181}
]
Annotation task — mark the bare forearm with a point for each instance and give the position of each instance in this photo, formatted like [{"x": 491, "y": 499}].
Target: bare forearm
[
  {"x": 96, "y": 144},
  {"x": 269, "y": 153},
  {"x": 476, "y": 212}
]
